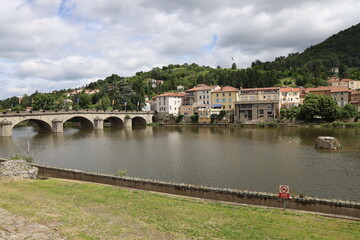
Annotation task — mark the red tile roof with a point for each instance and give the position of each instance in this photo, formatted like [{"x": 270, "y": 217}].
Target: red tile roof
[
  {"x": 201, "y": 87},
  {"x": 171, "y": 94},
  {"x": 260, "y": 89},
  {"x": 227, "y": 89},
  {"x": 286, "y": 89},
  {"x": 328, "y": 88}
]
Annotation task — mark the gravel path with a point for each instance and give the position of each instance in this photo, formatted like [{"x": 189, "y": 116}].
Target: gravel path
[{"x": 16, "y": 227}]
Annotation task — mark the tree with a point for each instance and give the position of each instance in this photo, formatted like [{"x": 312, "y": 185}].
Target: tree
[
  {"x": 323, "y": 107},
  {"x": 43, "y": 101},
  {"x": 83, "y": 100},
  {"x": 348, "y": 111},
  {"x": 327, "y": 108},
  {"x": 233, "y": 66},
  {"x": 104, "y": 103}
]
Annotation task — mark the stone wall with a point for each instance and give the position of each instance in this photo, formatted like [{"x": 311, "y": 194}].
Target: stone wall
[{"x": 337, "y": 207}]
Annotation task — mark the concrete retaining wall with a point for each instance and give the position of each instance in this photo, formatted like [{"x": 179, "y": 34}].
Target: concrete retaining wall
[{"x": 337, "y": 207}]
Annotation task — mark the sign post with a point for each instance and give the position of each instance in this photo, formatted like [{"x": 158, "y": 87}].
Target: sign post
[{"x": 284, "y": 193}]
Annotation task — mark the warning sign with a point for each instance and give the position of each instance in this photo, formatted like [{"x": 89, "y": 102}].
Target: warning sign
[{"x": 284, "y": 191}]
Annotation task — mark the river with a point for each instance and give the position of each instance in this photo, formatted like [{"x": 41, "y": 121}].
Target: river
[{"x": 244, "y": 158}]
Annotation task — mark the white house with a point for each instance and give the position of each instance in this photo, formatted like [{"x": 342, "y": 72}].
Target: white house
[{"x": 168, "y": 103}]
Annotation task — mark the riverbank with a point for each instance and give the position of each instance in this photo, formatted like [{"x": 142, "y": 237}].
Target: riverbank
[
  {"x": 91, "y": 211},
  {"x": 265, "y": 124}
]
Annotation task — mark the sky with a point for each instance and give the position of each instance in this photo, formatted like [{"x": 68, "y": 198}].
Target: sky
[{"x": 48, "y": 45}]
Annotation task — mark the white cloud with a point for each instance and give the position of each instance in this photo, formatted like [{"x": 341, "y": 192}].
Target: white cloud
[{"x": 48, "y": 45}]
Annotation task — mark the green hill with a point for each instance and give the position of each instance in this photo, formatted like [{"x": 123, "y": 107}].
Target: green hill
[{"x": 340, "y": 51}]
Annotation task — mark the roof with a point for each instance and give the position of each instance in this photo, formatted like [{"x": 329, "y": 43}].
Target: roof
[
  {"x": 259, "y": 89},
  {"x": 287, "y": 89},
  {"x": 202, "y": 87},
  {"x": 226, "y": 89},
  {"x": 328, "y": 88},
  {"x": 171, "y": 94},
  {"x": 348, "y": 80}
]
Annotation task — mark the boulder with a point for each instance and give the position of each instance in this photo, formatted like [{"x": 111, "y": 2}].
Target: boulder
[
  {"x": 18, "y": 169},
  {"x": 326, "y": 142}
]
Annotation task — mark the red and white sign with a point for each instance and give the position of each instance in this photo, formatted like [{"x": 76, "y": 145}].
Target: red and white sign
[{"x": 284, "y": 191}]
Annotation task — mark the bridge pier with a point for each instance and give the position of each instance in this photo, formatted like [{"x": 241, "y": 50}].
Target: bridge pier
[
  {"x": 98, "y": 123},
  {"x": 5, "y": 128},
  {"x": 127, "y": 122},
  {"x": 57, "y": 126}
]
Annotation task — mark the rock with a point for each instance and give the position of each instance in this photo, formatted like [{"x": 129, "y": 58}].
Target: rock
[
  {"x": 18, "y": 169},
  {"x": 326, "y": 142}
]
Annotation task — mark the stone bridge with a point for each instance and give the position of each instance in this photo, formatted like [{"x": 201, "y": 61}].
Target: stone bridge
[{"x": 53, "y": 121}]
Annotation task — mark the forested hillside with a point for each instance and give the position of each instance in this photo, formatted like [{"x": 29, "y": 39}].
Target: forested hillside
[{"x": 340, "y": 51}]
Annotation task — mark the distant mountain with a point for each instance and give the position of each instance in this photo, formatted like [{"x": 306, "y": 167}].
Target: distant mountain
[{"x": 340, "y": 52}]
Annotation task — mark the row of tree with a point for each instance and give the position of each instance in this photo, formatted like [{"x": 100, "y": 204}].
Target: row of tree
[{"x": 320, "y": 108}]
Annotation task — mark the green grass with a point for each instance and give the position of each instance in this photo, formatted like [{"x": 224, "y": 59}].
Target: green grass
[{"x": 90, "y": 211}]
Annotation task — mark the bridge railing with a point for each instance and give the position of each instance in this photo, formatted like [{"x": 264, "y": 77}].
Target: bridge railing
[{"x": 85, "y": 111}]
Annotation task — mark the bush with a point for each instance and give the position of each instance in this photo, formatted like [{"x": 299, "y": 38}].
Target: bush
[
  {"x": 194, "y": 118},
  {"x": 179, "y": 118}
]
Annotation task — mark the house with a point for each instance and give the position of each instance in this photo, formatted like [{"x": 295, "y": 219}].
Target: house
[
  {"x": 355, "y": 99},
  {"x": 155, "y": 83},
  {"x": 180, "y": 87},
  {"x": 341, "y": 94},
  {"x": 349, "y": 83},
  {"x": 206, "y": 113},
  {"x": 257, "y": 104},
  {"x": 225, "y": 96},
  {"x": 199, "y": 96},
  {"x": 290, "y": 97},
  {"x": 168, "y": 104}
]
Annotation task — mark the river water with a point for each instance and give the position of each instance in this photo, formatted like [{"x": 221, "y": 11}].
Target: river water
[{"x": 243, "y": 158}]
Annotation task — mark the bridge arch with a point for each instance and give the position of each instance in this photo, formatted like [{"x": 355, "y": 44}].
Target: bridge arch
[
  {"x": 40, "y": 125},
  {"x": 138, "y": 121},
  {"x": 114, "y": 121},
  {"x": 84, "y": 123}
]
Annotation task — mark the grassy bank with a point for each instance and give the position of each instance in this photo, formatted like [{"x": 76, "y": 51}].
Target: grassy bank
[{"x": 90, "y": 211}]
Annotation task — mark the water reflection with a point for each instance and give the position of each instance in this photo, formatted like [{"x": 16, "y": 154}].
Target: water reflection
[{"x": 244, "y": 158}]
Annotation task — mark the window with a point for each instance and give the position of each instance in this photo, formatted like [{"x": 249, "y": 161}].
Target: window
[
  {"x": 230, "y": 106},
  {"x": 200, "y": 97},
  {"x": 223, "y": 94},
  {"x": 217, "y": 95},
  {"x": 224, "y": 100},
  {"x": 230, "y": 100},
  {"x": 229, "y": 94},
  {"x": 217, "y": 100}
]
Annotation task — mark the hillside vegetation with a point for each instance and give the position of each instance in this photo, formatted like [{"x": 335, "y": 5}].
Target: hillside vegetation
[{"x": 337, "y": 55}]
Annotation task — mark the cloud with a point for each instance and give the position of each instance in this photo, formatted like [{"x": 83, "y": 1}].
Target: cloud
[{"x": 66, "y": 43}]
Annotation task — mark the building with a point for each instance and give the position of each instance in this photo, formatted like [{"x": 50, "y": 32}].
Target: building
[
  {"x": 355, "y": 99},
  {"x": 168, "y": 104},
  {"x": 207, "y": 113},
  {"x": 340, "y": 94},
  {"x": 225, "y": 96},
  {"x": 290, "y": 97},
  {"x": 200, "y": 95},
  {"x": 349, "y": 83},
  {"x": 155, "y": 83},
  {"x": 257, "y": 104}
]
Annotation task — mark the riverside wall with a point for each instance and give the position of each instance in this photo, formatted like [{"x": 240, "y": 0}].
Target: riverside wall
[{"x": 336, "y": 207}]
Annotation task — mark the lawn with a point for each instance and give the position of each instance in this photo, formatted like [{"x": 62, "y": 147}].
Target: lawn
[{"x": 92, "y": 211}]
